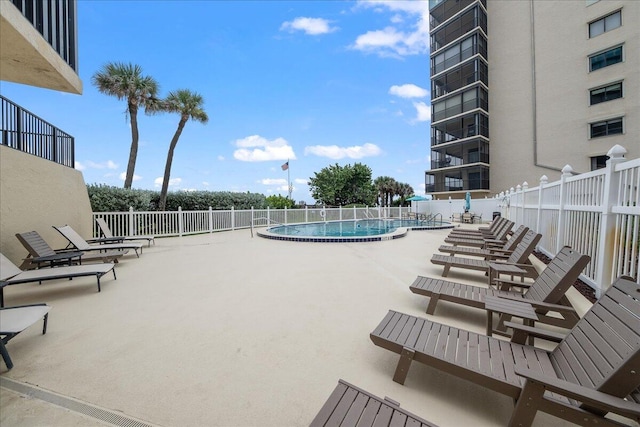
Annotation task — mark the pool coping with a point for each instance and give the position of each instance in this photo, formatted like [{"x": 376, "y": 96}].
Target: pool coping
[{"x": 397, "y": 234}]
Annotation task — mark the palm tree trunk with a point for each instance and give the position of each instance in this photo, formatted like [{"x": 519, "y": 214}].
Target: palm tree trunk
[
  {"x": 167, "y": 169},
  {"x": 133, "y": 153}
]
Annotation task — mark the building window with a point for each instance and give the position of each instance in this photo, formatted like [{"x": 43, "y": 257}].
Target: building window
[
  {"x": 590, "y": 2},
  {"x": 605, "y": 24},
  {"x": 607, "y": 93},
  {"x": 606, "y": 127},
  {"x": 604, "y": 59},
  {"x": 599, "y": 162}
]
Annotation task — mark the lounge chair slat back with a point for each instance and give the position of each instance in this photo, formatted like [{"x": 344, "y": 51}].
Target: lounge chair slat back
[
  {"x": 516, "y": 238},
  {"x": 603, "y": 349},
  {"x": 35, "y": 244},
  {"x": 558, "y": 276},
  {"x": 524, "y": 248}
]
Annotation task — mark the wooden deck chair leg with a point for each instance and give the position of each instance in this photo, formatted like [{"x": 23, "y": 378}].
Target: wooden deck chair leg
[
  {"x": 527, "y": 405},
  {"x": 447, "y": 267},
  {"x": 406, "y": 357},
  {"x": 433, "y": 301}
]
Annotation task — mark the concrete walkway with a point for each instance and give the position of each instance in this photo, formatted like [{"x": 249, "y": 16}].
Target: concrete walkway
[{"x": 228, "y": 330}]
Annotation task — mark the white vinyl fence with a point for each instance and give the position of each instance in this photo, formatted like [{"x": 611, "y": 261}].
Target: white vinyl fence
[{"x": 596, "y": 213}]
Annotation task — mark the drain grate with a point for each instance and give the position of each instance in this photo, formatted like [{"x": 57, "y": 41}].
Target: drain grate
[{"x": 74, "y": 405}]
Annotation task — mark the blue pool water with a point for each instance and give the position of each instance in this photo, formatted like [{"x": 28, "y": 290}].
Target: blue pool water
[{"x": 359, "y": 230}]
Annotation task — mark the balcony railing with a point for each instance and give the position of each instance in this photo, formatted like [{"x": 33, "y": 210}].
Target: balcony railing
[
  {"x": 27, "y": 132},
  {"x": 56, "y": 21}
]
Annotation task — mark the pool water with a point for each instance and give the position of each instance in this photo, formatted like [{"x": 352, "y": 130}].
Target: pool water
[{"x": 385, "y": 229}]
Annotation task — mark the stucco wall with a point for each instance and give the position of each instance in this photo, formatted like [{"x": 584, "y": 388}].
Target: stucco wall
[{"x": 36, "y": 194}]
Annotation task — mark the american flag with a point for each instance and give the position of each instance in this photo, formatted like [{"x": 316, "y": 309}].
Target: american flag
[{"x": 285, "y": 166}]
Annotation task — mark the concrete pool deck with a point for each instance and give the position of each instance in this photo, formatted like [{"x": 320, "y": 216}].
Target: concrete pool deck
[{"x": 227, "y": 330}]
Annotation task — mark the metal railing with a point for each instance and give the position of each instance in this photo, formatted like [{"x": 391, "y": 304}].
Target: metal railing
[
  {"x": 596, "y": 213},
  {"x": 27, "y": 132}
]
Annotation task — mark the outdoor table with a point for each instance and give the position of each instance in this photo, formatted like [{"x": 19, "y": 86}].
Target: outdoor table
[{"x": 520, "y": 309}]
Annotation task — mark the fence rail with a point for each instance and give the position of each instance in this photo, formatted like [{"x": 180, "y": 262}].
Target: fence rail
[
  {"x": 180, "y": 223},
  {"x": 596, "y": 213}
]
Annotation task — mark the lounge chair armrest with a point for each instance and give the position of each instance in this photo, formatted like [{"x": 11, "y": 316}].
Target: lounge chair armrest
[
  {"x": 559, "y": 308},
  {"x": 57, "y": 257},
  {"x": 505, "y": 284},
  {"x": 588, "y": 396},
  {"x": 500, "y": 251},
  {"x": 106, "y": 240},
  {"x": 532, "y": 331}
]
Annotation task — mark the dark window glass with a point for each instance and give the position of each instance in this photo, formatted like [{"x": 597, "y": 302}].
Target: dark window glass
[
  {"x": 608, "y": 127},
  {"x": 605, "y": 24},
  {"x": 606, "y": 93},
  {"x": 599, "y": 162},
  {"x": 604, "y": 59}
]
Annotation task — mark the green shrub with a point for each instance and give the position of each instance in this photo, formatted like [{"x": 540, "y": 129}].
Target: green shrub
[{"x": 106, "y": 198}]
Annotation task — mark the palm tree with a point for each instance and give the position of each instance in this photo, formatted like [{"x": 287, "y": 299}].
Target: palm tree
[
  {"x": 404, "y": 191},
  {"x": 125, "y": 81},
  {"x": 384, "y": 185},
  {"x": 189, "y": 105}
]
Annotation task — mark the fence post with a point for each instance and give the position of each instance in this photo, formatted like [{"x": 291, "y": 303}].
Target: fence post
[
  {"x": 180, "y": 221},
  {"x": 233, "y": 218},
  {"x": 604, "y": 257},
  {"x": 131, "y": 231},
  {"x": 210, "y": 219},
  {"x": 566, "y": 173},
  {"x": 519, "y": 204},
  {"x": 268, "y": 216},
  {"x": 285, "y": 215},
  {"x": 306, "y": 213},
  {"x": 525, "y": 187},
  {"x": 543, "y": 181}
]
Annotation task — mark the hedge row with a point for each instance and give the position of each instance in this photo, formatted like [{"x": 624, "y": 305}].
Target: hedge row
[{"x": 105, "y": 198}]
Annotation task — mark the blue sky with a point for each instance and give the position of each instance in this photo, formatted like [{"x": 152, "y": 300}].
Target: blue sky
[{"x": 315, "y": 82}]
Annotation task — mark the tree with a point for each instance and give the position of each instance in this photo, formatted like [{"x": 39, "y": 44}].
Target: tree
[
  {"x": 404, "y": 191},
  {"x": 279, "y": 202},
  {"x": 189, "y": 105},
  {"x": 125, "y": 81},
  {"x": 385, "y": 185},
  {"x": 338, "y": 185}
]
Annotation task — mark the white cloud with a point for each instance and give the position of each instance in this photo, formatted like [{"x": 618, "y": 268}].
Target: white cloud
[
  {"x": 109, "y": 164},
  {"x": 311, "y": 26},
  {"x": 408, "y": 91},
  {"x": 255, "y": 148},
  {"x": 172, "y": 181},
  {"x": 335, "y": 152},
  {"x": 424, "y": 112},
  {"x": 123, "y": 176},
  {"x": 409, "y": 34},
  {"x": 301, "y": 181},
  {"x": 271, "y": 181},
  {"x": 205, "y": 183},
  {"x": 221, "y": 158},
  {"x": 79, "y": 166}
]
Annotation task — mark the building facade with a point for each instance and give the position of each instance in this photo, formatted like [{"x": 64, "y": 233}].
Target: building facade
[{"x": 522, "y": 88}]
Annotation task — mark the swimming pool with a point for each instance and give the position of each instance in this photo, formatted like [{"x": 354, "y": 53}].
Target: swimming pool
[{"x": 364, "y": 230}]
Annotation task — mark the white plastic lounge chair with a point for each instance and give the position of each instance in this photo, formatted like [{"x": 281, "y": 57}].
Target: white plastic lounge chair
[
  {"x": 109, "y": 237},
  {"x": 14, "y": 320},
  {"x": 10, "y": 274},
  {"x": 82, "y": 245}
]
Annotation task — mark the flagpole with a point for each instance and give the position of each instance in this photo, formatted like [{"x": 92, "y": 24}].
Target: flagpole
[{"x": 289, "y": 177}]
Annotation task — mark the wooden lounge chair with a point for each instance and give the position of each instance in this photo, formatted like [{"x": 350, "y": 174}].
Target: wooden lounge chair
[
  {"x": 14, "y": 320},
  {"x": 545, "y": 293},
  {"x": 517, "y": 259},
  {"x": 491, "y": 229},
  {"x": 586, "y": 376},
  {"x": 349, "y": 405},
  {"x": 489, "y": 252},
  {"x": 79, "y": 243},
  {"x": 10, "y": 274},
  {"x": 43, "y": 255},
  {"x": 108, "y": 236},
  {"x": 482, "y": 241}
]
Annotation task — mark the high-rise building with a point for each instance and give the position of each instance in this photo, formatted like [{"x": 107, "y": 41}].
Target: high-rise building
[{"x": 522, "y": 88}]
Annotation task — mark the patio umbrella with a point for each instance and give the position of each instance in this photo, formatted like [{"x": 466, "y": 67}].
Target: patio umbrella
[
  {"x": 416, "y": 199},
  {"x": 467, "y": 202}
]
